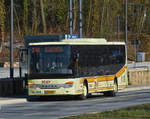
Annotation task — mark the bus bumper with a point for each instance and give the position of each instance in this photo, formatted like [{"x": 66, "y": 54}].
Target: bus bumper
[{"x": 69, "y": 87}]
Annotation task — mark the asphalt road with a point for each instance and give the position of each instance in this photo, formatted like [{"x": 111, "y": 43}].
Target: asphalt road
[{"x": 53, "y": 109}]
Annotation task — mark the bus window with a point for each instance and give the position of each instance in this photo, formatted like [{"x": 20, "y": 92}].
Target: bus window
[
  {"x": 35, "y": 63},
  {"x": 50, "y": 60}
]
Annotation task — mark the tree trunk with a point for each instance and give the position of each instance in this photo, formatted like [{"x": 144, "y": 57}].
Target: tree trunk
[
  {"x": 89, "y": 17},
  {"x": 102, "y": 17},
  {"x": 17, "y": 20},
  {"x": 75, "y": 15},
  {"x": 34, "y": 18},
  {"x": 25, "y": 16},
  {"x": 43, "y": 16},
  {"x": 2, "y": 41},
  {"x": 2, "y": 23}
]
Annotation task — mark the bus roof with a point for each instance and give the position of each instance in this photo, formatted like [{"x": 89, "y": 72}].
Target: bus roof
[{"x": 79, "y": 41}]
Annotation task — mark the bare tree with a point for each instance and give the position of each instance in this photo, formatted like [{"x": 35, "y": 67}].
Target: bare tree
[
  {"x": 43, "y": 16},
  {"x": 34, "y": 18},
  {"x": 2, "y": 21}
]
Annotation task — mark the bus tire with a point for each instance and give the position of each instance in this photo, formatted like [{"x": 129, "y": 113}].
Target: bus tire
[
  {"x": 31, "y": 98},
  {"x": 115, "y": 86},
  {"x": 85, "y": 91},
  {"x": 115, "y": 90}
]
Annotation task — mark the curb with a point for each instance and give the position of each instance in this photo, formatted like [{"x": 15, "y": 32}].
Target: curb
[
  {"x": 11, "y": 101},
  {"x": 134, "y": 88}
]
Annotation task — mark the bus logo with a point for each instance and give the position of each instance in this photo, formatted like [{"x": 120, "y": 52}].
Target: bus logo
[{"x": 46, "y": 82}]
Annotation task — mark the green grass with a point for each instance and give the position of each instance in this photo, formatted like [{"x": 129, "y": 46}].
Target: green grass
[{"x": 136, "y": 112}]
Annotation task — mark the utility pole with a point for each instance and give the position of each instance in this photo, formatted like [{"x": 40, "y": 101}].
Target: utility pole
[
  {"x": 70, "y": 17},
  {"x": 11, "y": 43},
  {"x": 126, "y": 22},
  {"x": 80, "y": 18}
]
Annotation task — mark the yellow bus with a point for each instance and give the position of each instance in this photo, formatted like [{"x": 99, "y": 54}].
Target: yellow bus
[{"x": 76, "y": 67}]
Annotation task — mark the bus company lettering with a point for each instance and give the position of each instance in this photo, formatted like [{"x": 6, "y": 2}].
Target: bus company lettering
[{"x": 46, "y": 82}]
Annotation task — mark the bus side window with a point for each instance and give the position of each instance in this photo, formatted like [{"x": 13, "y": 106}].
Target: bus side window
[
  {"x": 35, "y": 62},
  {"x": 74, "y": 62}
]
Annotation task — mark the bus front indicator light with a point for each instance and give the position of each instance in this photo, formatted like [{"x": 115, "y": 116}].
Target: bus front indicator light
[{"x": 31, "y": 85}]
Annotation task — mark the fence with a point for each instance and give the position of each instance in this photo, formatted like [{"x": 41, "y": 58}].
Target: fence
[
  {"x": 139, "y": 76},
  {"x": 11, "y": 87}
]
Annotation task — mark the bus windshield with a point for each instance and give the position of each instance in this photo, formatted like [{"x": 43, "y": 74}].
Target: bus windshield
[{"x": 49, "y": 59}]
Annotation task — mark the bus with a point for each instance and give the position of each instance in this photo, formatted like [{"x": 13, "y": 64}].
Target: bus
[{"x": 75, "y": 67}]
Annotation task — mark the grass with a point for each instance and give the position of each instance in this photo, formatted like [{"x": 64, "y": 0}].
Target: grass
[{"x": 136, "y": 112}]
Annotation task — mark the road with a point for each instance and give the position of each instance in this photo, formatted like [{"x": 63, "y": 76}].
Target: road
[{"x": 53, "y": 109}]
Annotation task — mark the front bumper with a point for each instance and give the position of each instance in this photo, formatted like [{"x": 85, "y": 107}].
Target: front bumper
[{"x": 54, "y": 88}]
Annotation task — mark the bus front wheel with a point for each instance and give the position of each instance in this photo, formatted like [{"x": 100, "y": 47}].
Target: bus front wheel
[
  {"x": 114, "y": 92},
  {"x": 84, "y": 95},
  {"x": 31, "y": 98}
]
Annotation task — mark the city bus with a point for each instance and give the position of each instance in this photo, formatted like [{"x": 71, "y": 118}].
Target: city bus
[{"x": 75, "y": 67}]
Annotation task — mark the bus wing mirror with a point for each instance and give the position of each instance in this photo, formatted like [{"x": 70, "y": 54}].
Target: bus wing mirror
[{"x": 22, "y": 54}]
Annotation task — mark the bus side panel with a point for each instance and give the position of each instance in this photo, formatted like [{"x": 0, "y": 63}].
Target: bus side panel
[{"x": 123, "y": 80}]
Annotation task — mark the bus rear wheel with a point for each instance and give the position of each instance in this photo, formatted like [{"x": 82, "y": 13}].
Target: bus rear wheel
[
  {"x": 85, "y": 92},
  {"x": 115, "y": 90}
]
